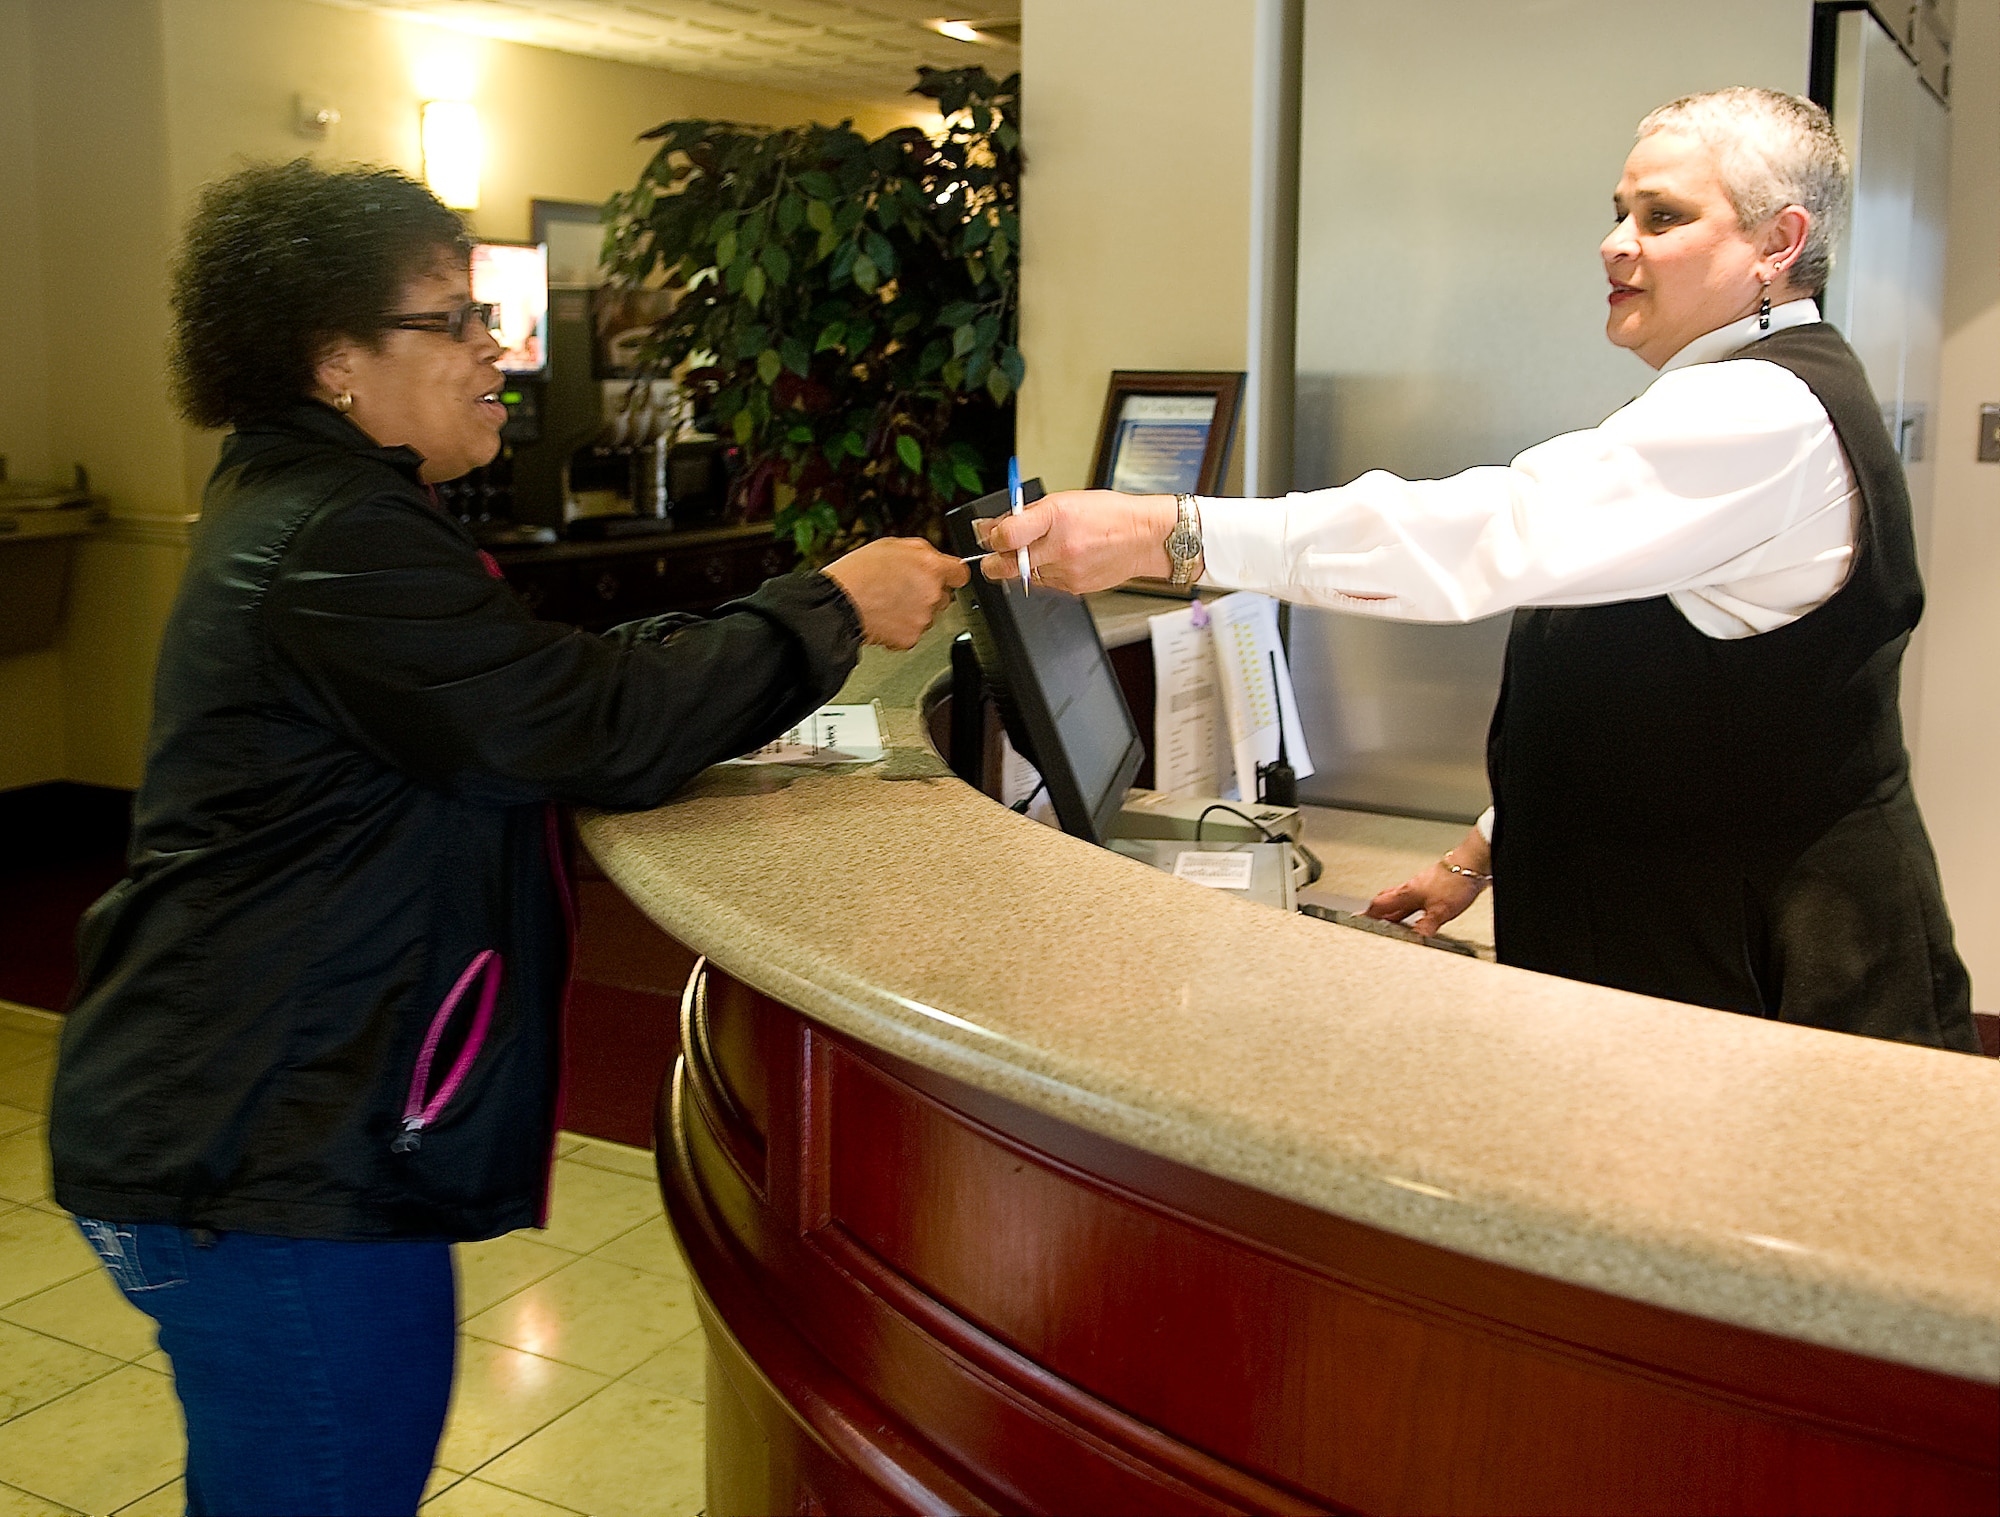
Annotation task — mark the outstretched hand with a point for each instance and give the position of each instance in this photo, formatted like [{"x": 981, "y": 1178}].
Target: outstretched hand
[
  {"x": 897, "y": 585},
  {"x": 1081, "y": 540}
]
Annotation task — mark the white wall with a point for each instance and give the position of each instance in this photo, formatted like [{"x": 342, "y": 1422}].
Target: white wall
[
  {"x": 1957, "y": 778},
  {"x": 31, "y": 744},
  {"x": 1135, "y": 207}
]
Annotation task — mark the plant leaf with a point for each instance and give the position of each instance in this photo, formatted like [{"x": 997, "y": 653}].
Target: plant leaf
[
  {"x": 962, "y": 340},
  {"x": 769, "y": 364},
  {"x": 879, "y": 252},
  {"x": 911, "y": 454},
  {"x": 791, "y": 210},
  {"x": 998, "y": 385},
  {"x": 864, "y": 273},
  {"x": 819, "y": 215},
  {"x": 753, "y": 285},
  {"x": 742, "y": 427},
  {"x": 725, "y": 249},
  {"x": 829, "y": 336},
  {"x": 777, "y": 263},
  {"x": 967, "y": 476},
  {"x": 797, "y": 359}
]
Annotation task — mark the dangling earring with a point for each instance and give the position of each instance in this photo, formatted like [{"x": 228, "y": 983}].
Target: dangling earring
[
  {"x": 344, "y": 401},
  {"x": 1763, "y": 311}
]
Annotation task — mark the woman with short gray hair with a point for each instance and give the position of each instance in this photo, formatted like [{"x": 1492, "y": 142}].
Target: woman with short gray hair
[{"x": 1699, "y": 780}]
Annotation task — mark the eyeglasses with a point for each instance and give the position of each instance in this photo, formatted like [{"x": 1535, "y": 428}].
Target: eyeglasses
[{"x": 452, "y": 324}]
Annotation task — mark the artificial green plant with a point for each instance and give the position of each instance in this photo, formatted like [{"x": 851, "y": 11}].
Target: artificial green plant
[{"x": 846, "y": 309}]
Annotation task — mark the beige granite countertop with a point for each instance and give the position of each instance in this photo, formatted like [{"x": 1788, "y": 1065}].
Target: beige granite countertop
[{"x": 1834, "y": 1189}]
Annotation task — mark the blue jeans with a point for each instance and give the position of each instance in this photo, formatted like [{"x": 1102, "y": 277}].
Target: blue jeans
[{"x": 314, "y": 1375}]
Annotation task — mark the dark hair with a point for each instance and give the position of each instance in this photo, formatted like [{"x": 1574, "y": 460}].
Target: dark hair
[{"x": 283, "y": 258}]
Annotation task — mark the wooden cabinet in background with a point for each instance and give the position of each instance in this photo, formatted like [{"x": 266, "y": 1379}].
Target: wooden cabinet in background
[{"x": 596, "y": 585}]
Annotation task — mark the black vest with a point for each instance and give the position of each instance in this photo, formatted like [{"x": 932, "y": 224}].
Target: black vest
[{"x": 1729, "y": 822}]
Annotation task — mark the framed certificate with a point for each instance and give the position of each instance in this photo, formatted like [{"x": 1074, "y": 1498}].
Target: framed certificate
[{"x": 1166, "y": 432}]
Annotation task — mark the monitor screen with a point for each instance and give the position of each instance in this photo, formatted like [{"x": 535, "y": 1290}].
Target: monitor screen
[
  {"x": 514, "y": 276},
  {"x": 1040, "y": 652}
]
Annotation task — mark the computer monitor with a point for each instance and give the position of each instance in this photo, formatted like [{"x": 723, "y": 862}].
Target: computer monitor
[
  {"x": 1052, "y": 680},
  {"x": 514, "y": 276}
]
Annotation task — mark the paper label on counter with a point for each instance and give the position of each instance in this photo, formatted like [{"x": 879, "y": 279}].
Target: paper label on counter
[
  {"x": 831, "y": 735},
  {"x": 1218, "y": 871}
]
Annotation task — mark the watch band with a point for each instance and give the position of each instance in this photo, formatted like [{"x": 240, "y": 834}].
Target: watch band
[{"x": 1183, "y": 544}]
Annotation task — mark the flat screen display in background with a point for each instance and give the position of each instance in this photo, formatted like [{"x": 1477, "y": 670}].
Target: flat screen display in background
[
  {"x": 514, "y": 276},
  {"x": 1160, "y": 443}
]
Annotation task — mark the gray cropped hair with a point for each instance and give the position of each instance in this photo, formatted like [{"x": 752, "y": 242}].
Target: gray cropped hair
[{"x": 1771, "y": 150}]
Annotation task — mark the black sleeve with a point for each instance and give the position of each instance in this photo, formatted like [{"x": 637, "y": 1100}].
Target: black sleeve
[{"x": 410, "y": 647}]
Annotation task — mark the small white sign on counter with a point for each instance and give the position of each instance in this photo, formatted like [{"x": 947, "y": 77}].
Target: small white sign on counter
[
  {"x": 1218, "y": 871},
  {"x": 831, "y": 735}
]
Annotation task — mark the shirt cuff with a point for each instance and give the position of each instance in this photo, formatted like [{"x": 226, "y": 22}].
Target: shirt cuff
[
  {"x": 1242, "y": 542},
  {"x": 1485, "y": 825}
]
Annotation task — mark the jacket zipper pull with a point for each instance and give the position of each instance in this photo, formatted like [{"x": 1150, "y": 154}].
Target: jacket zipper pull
[{"x": 411, "y": 1138}]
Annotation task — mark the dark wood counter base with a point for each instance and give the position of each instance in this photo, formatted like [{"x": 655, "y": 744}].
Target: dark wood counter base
[{"x": 919, "y": 1297}]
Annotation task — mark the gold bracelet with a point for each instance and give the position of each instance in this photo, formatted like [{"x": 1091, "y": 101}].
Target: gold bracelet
[{"x": 1470, "y": 874}]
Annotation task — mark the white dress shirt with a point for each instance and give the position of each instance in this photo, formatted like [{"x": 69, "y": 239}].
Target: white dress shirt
[{"x": 1722, "y": 487}]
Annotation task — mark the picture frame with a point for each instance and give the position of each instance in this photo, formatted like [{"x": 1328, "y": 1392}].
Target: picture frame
[
  {"x": 573, "y": 232},
  {"x": 1167, "y": 431}
]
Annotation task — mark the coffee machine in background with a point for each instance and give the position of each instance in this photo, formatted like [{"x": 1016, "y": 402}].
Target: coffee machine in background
[
  {"x": 518, "y": 498},
  {"x": 570, "y": 464}
]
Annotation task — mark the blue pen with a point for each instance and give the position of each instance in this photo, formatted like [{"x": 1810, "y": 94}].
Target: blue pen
[{"x": 1014, "y": 507}]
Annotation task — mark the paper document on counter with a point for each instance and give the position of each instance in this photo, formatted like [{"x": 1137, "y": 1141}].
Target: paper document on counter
[
  {"x": 831, "y": 735},
  {"x": 1218, "y": 871},
  {"x": 1191, "y": 754},
  {"x": 1253, "y": 704}
]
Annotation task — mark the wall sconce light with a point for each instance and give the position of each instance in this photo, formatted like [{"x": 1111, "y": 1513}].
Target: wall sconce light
[{"x": 452, "y": 148}]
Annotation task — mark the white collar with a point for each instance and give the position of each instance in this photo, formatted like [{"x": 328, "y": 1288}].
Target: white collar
[{"x": 1726, "y": 340}]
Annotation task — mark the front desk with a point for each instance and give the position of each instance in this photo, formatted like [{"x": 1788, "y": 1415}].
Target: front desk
[{"x": 1015, "y": 1176}]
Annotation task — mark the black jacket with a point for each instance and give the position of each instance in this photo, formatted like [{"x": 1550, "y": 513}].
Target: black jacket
[{"x": 325, "y": 1002}]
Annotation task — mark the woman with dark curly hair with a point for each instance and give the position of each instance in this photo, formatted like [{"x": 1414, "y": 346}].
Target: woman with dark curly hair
[{"x": 316, "y": 1036}]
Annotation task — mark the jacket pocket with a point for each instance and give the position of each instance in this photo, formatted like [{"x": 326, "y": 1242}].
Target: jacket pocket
[{"x": 427, "y": 1101}]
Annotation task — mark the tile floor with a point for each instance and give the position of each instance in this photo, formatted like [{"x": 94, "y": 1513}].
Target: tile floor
[{"x": 580, "y": 1361}]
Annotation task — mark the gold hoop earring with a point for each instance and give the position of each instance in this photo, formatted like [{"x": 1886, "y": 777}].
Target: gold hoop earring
[{"x": 344, "y": 402}]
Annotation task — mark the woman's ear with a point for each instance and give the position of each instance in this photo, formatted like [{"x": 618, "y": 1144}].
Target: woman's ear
[
  {"x": 1782, "y": 241},
  {"x": 333, "y": 374}
]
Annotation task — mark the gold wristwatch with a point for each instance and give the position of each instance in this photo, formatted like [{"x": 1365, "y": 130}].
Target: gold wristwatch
[{"x": 1184, "y": 542}]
